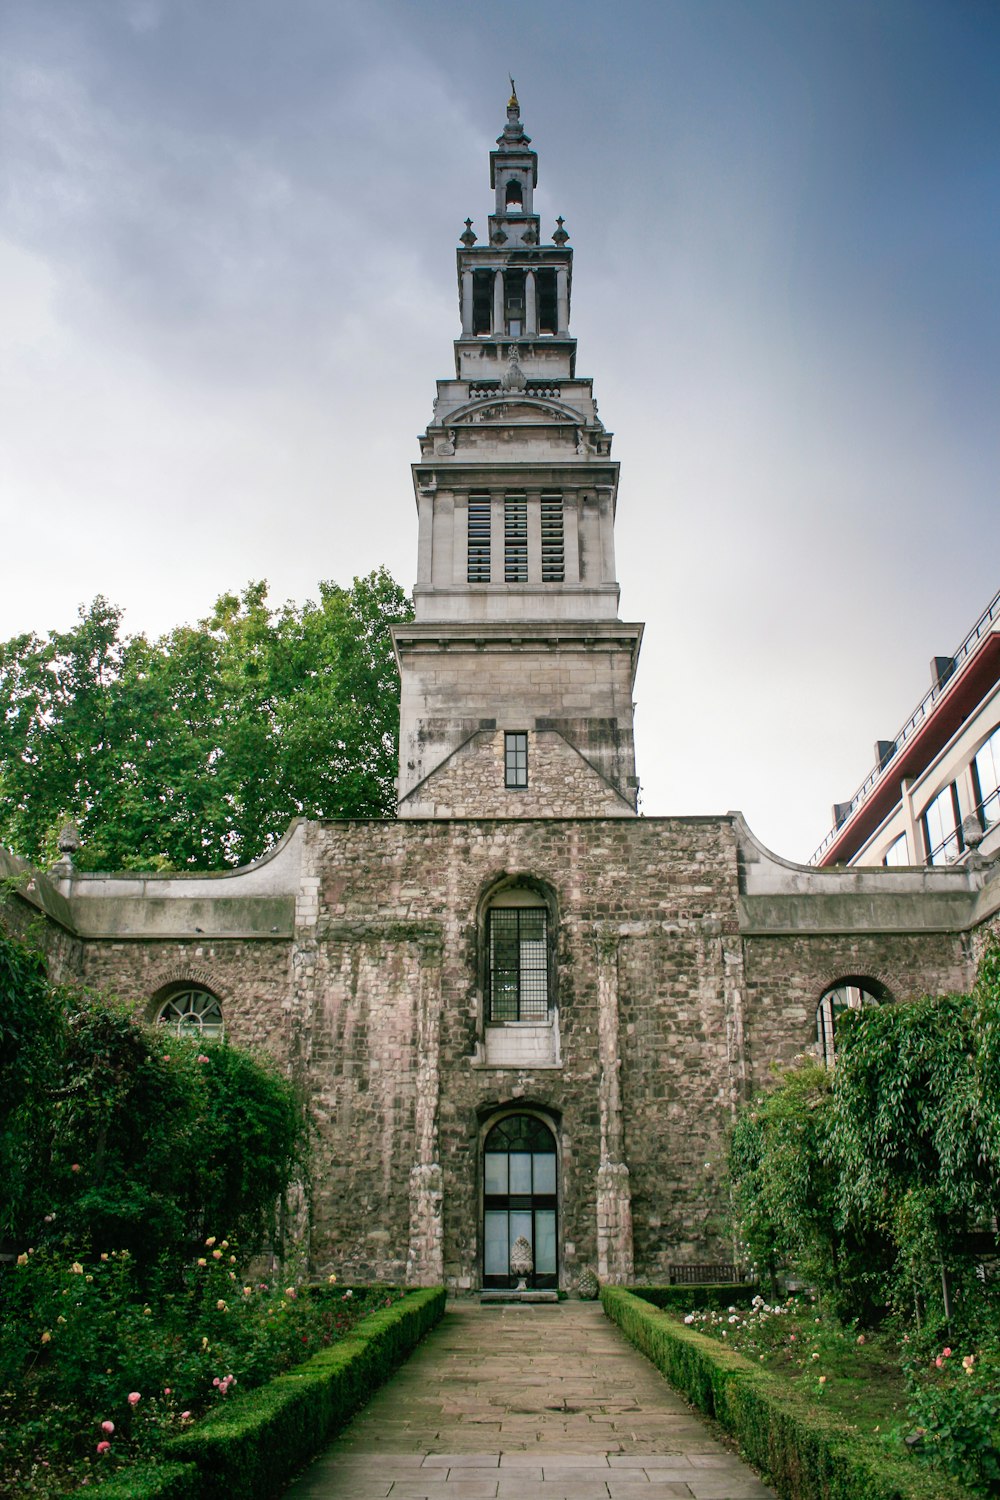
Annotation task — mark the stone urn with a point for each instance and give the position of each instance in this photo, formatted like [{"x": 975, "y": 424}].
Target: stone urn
[{"x": 521, "y": 1263}]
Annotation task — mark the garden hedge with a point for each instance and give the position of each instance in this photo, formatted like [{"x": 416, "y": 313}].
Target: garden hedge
[
  {"x": 253, "y": 1445},
  {"x": 803, "y": 1449},
  {"x": 700, "y": 1294}
]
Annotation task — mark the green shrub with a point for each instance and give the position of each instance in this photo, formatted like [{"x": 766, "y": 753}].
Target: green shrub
[
  {"x": 254, "y": 1444},
  {"x": 719, "y": 1295},
  {"x": 954, "y": 1408},
  {"x": 806, "y": 1452}
]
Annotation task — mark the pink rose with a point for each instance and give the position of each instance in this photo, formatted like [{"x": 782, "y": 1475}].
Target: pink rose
[
  {"x": 185, "y": 1416},
  {"x": 107, "y": 1426},
  {"x": 75, "y": 1167},
  {"x": 134, "y": 1398},
  {"x": 104, "y": 1447}
]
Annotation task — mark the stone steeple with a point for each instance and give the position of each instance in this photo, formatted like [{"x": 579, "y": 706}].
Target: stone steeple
[{"x": 516, "y": 648}]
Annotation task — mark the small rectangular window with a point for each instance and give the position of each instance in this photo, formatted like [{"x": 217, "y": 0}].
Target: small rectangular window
[
  {"x": 515, "y": 539},
  {"x": 553, "y": 556},
  {"x": 515, "y": 759},
  {"x": 479, "y": 539}
]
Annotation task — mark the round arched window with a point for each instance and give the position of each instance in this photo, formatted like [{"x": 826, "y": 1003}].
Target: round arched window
[
  {"x": 192, "y": 1012},
  {"x": 850, "y": 994}
]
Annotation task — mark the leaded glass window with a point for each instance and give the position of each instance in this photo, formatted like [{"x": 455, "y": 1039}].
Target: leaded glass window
[
  {"x": 193, "y": 1012},
  {"x": 518, "y": 964}
]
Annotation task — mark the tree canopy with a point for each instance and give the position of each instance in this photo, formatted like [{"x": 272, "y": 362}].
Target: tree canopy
[{"x": 196, "y": 750}]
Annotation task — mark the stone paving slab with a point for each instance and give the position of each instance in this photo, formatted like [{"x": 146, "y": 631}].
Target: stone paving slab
[{"x": 527, "y": 1403}]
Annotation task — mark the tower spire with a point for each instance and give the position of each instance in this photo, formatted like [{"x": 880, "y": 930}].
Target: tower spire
[{"x": 516, "y": 640}]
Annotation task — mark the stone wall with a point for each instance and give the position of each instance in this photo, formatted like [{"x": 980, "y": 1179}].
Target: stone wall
[
  {"x": 685, "y": 962},
  {"x": 561, "y": 783}
]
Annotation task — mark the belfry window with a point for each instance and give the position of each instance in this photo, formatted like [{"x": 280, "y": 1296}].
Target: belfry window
[
  {"x": 553, "y": 555},
  {"x": 547, "y": 301},
  {"x": 192, "y": 1012},
  {"x": 478, "y": 569},
  {"x": 513, "y": 303},
  {"x": 518, "y": 963},
  {"x": 515, "y": 539},
  {"x": 482, "y": 303},
  {"x": 514, "y": 197}
]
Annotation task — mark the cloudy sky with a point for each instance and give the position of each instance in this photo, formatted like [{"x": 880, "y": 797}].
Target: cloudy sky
[{"x": 227, "y": 231}]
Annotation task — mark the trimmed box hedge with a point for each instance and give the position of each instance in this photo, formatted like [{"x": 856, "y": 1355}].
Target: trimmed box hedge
[
  {"x": 252, "y": 1447},
  {"x": 803, "y": 1449},
  {"x": 717, "y": 1295}
]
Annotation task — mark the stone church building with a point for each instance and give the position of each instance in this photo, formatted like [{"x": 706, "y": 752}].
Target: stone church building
[{"x": 521, "y": 1008}]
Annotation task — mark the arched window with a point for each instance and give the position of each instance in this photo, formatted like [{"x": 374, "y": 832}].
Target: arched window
[
  {"x": 514, "y": 196},
  {"x": 519, "y": 1199},
  {"x": 849, "y": 994},
  {"x": 193, "y": 1012}
]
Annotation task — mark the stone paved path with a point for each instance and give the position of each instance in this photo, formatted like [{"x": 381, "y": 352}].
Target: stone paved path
[{"x": 527, "y": 1403}]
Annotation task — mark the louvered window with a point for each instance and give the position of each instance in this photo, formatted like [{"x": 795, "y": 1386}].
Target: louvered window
[
  {"x": 515, "y": 539},
  {"x": 479, "y": 539},
  {"x": 553, "y": 555}
]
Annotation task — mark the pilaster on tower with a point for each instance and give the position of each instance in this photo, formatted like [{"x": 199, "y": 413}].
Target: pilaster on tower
[{"x": 516, "y": 648}]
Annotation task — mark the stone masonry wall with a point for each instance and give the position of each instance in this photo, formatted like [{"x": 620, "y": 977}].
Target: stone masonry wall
[
  {"x": 786, "y": 976},
  {"x": 667, "y": 1017},
  {"x": 561, "y": 784}
]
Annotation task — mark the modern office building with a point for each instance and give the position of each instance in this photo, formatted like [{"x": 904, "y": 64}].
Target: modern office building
[{"x": 933, "y": 795}]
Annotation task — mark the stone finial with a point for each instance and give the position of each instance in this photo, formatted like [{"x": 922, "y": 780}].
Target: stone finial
[
  {"x": 513, "y": 378},
  {"x": 521, "y": 1262},
  {"x": 559, "y": 235},
  {"x": 470, "y": 236}
]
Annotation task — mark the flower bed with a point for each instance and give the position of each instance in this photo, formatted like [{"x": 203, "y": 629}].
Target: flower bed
[
  {"x": 255, "y": 1444},
  {"x": 807, "y": 1450},
  {"x": 103, "y": 1363}
]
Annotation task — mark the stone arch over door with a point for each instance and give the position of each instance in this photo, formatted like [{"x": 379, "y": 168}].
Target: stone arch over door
[{"x": 519, "y": 1175}]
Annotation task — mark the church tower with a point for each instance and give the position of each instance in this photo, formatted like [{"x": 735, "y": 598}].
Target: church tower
[{"x": 516, "y": 673}]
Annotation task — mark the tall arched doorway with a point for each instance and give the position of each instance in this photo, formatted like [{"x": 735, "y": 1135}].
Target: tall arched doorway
[{"x": 519, "y": 1199}]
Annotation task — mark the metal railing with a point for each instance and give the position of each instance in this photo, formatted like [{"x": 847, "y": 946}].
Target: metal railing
[{"x": 982, "y": 627}]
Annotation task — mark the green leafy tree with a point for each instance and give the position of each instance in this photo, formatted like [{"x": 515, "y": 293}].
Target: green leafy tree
[
  {"x": 913, "y": 1159},
  {"x": 195, "y": 751},
  {"x": 786, "y": 1193}
]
